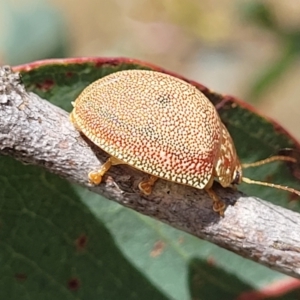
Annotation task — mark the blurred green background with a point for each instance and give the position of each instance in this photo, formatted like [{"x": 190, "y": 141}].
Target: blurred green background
[{"x": 245, "y": 48}]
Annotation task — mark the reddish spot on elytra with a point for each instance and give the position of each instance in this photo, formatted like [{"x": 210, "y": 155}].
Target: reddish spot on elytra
[
  {"x": 46, "y": 85},
  {"x": 81, "y": 242},
  {"x": 74, "y": 284},
  {"x": 21, "y": 277}
]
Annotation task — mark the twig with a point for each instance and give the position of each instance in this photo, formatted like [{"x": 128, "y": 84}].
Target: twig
[{"x": 34, "y": 131}]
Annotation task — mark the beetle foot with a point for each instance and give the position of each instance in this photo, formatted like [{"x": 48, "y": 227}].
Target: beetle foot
[
  {"x": 146, "y": 186},
  {"x": 218, "y": 205},
  {"x": 95, "y": 177}
]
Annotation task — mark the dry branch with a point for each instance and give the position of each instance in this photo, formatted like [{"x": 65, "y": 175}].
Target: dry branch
[{"x": 34, "y": 131}]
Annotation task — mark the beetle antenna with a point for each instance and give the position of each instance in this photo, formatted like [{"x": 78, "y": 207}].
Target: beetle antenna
[
  {"x": 266, "y": 161},
  {"x": 269, "y": 160},
  {"x": 276, "y": 186}
]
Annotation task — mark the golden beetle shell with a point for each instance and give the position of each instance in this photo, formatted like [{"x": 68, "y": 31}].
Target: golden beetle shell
[{"x": 160, "y": 125}]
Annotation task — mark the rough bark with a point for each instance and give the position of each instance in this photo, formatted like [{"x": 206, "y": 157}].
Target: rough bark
[{"x": 34, "y": 131}]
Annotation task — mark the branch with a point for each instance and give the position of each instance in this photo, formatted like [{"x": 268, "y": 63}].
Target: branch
[{"x": 34, "y": 131}]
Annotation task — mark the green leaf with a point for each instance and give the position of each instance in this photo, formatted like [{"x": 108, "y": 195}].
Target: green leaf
[
  {"x": 53, "y": 247},
  {"x": 206, "y": 281},
  {"x": 61, "y": 241}
]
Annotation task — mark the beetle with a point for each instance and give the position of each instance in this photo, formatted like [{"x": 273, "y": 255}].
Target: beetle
[{"x": 163, "y": 126}]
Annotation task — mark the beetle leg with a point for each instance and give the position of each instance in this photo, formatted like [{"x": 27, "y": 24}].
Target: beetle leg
[
  {"x": 218, "y": 205},
  {"x": 96, "y": 176},
  {"x": 146, "y": 186}
]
